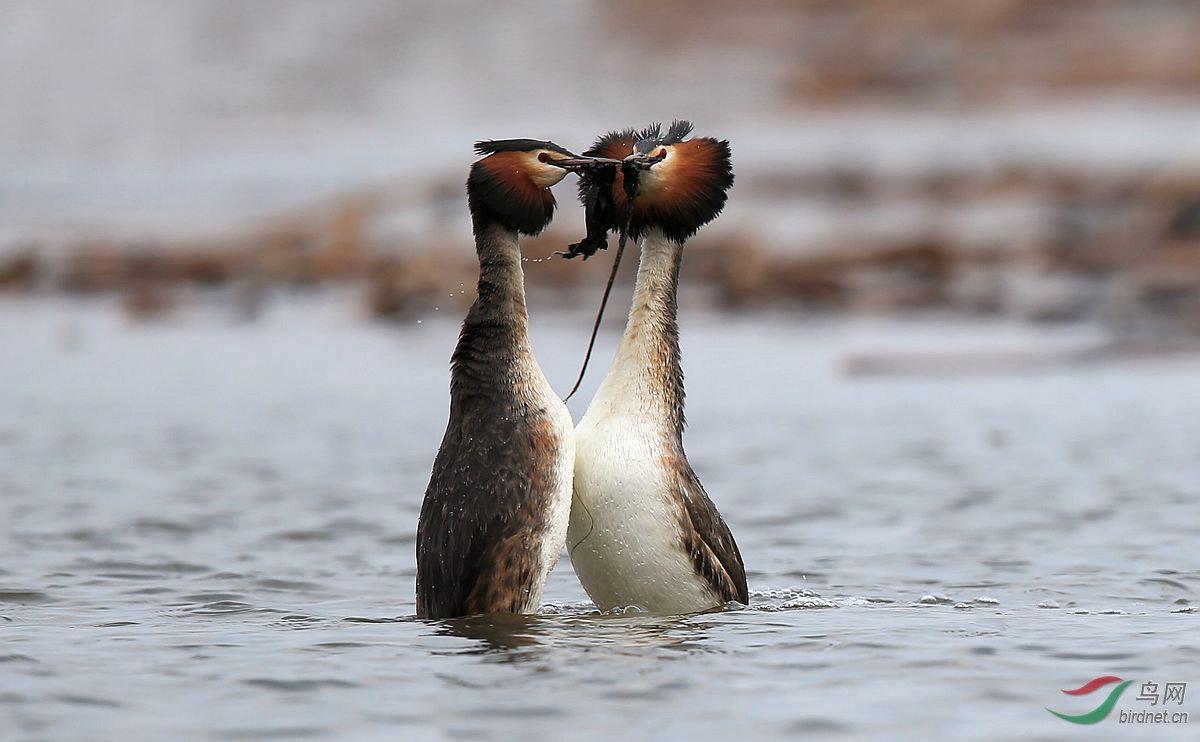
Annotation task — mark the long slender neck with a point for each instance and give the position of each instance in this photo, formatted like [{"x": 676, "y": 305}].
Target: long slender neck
[
  {"x": 646, "y": 378},
  {"x": 495, "y": 333}
]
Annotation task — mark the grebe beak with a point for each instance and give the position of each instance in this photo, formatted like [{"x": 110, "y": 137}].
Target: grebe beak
[
  {"x": 583, "y": 164},
  {"x": 642, "y": 162}
]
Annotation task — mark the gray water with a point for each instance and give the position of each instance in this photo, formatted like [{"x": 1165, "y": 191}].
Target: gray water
[{"x": 206, "y": 533}]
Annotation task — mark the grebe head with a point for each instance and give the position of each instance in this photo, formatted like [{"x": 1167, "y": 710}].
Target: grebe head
[
  {"x": 511, "y": 184},
  {"x": 682, "y": 184},
  {"x": 676, "y": 184}
]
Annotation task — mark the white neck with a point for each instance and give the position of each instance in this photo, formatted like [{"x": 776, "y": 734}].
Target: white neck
[{"x": 645, "y": 379}]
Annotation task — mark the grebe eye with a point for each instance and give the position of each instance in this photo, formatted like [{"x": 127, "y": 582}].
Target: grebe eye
[
  {"x": 661, "y": 153},
  {"x": 543, "y": 157}
]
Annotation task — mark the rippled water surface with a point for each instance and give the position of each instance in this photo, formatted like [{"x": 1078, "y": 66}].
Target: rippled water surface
[{"x": 206, "y": 532}]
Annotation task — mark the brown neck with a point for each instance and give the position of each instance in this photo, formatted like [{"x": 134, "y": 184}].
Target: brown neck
[{"x": 495, "y": 333}]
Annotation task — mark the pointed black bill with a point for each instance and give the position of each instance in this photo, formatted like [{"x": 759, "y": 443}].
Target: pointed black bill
[{"x": 581, "y": 164}]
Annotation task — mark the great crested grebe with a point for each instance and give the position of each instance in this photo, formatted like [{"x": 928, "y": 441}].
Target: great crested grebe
[
  {"x": 494, "y": 518},
  {"x": 643, "y": 533}
]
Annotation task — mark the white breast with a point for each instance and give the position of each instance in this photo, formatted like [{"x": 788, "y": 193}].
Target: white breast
[
  {"x": 624, "y": 538},
  {"x": 559, "y": 506}
]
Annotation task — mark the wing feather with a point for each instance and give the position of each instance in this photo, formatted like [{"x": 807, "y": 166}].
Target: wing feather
[
  {"x": 710, "y": 543},
  {"x": 478, "y": 548}
]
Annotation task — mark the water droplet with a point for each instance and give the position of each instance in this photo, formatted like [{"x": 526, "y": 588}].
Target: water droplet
[{"x": 418, "y": 322}]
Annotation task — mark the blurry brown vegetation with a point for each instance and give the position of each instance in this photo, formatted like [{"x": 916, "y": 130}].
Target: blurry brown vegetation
[
  {"x": 1125, "y": 250},
  {"x": 1118, "y": 246},
  {"x": 950, "y": 50},
  {"x": 1122, "y": 245}
]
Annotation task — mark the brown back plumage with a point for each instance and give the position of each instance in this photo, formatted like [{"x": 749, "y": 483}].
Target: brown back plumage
[{"x": 484, "y": 516}]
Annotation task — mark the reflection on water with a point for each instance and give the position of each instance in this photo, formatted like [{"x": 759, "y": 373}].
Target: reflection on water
[
  {"x": 510, "y": 638},
  {"x": 206, "y": 533}
]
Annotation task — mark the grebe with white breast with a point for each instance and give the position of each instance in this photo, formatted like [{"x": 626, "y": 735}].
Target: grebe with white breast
[{"x": 643, "y": 532}]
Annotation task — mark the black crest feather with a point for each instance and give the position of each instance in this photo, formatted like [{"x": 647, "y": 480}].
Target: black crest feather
[
  {"x": 678, "y": 130},
  {"x": 492, "y": 146},
  {"x": 652, "y": 135}
]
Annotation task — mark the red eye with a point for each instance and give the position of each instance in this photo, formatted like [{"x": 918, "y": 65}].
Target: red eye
[
  {"x": 543, "y": 157},
  {"x": 661, "y": 153}
]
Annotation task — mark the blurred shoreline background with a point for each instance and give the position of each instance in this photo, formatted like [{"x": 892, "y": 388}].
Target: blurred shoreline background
[{"x": 1012, "y": 158}]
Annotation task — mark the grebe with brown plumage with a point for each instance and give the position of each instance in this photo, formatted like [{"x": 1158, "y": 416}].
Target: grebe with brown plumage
[
  {"x": 495, "y": 513},
  {"x": 643, "y": 532}
]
